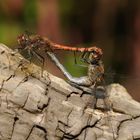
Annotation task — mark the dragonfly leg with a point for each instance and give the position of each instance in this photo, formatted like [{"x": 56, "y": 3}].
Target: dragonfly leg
[
  {"x": 75, "y": 60},
  {"x": 76, "y": 63},
  {"x": 41, "y": 59},
  {"x": 30, "y": 53},
  {"x": 84, "y": 57}
]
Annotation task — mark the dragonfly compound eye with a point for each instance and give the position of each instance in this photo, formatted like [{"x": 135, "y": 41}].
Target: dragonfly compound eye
[
  {"x": 94, "y": 57},
  {"x": 23, "y": 40}
]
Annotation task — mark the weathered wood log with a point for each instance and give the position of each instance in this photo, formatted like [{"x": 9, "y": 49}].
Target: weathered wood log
[{"x": 40, "y": 108}]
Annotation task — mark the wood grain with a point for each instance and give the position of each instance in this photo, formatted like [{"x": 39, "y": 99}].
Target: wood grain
[{"x": 47, "y": 108}]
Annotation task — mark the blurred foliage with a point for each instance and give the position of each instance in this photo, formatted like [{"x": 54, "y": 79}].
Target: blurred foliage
[
  {"x": 9, "y": 32},
  {"x": 12, "y": 24},
  {"x": 78, "y": 16},
  {"x": 30, "y": 13}
]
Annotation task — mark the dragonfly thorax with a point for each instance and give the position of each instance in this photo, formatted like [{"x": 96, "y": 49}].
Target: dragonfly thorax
[{"x": 96, "y": 72}]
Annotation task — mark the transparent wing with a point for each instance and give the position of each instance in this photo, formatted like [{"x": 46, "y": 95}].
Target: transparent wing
[{"x": 130, "y": 82}]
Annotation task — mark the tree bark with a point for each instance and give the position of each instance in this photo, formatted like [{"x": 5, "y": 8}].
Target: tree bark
[{"x": 33, "y": 107}]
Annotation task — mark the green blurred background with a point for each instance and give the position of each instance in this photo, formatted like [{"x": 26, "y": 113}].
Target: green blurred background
[{"x": 113, "y": 25}]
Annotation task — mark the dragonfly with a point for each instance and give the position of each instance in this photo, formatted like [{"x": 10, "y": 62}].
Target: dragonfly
[
  {"x": 35, "y": 45},
  {"x": 90, "y": 83}
]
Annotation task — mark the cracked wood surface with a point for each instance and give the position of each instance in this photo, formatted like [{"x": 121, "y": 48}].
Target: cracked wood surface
[{"x": 47, "y": 108}]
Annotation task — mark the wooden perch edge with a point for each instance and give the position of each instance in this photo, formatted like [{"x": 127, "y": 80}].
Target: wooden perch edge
[{"x": 47, "y": 108}]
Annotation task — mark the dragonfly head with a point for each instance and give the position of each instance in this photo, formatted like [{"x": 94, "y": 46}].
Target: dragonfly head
[
  {"x": 96, "y": 50},
  {"x": 23, "y": 41},
  {"x": 95, "y": 56}
]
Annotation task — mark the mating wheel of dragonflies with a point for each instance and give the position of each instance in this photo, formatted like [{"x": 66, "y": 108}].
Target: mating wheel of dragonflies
[{"x": 36, "y": 45}]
